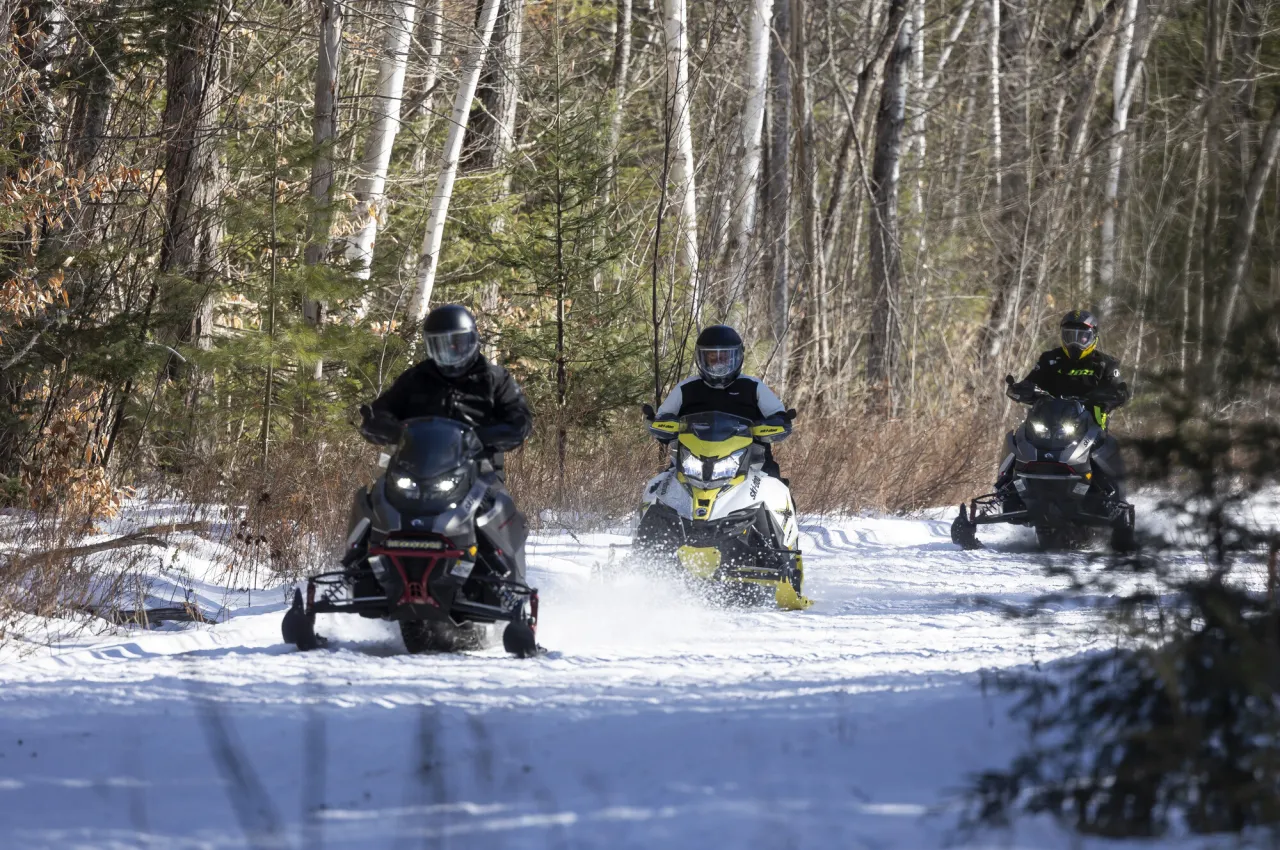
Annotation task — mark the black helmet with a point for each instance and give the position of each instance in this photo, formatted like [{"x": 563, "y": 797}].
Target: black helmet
[
  {"x": 452, "y": 341},
  {"x": 1079, "y": 334},
  {"x": 719, "y": 355}
]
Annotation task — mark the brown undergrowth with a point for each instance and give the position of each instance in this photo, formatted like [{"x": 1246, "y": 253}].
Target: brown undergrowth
[{"x": 289, "y": 515}]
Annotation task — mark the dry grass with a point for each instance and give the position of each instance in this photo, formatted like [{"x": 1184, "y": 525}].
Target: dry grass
[
  {"x": 843, "y": 465},
  {"x": 290, "y": 517}
]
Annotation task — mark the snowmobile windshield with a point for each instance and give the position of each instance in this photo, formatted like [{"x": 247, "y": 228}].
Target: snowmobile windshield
[
  {"x": 1056, "y": 423},
  {"x": 432, "y": 446},
  {"x": 715, "y": 427}
]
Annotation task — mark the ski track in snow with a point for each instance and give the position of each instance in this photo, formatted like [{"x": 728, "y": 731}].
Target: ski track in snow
[{"x": 656, "y": 721}]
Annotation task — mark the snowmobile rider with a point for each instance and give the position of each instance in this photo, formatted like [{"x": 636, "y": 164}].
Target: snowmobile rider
[
  {"x": 720, "y": 386},
  {"x": 1079, "y": 370},
  {"x": 457, "y": 382}
]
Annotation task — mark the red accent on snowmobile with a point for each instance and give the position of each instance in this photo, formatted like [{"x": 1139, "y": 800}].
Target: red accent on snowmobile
[{"x": 415, "y": 592}]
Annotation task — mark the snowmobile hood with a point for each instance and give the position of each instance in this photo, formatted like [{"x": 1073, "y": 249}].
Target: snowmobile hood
[{"x": 432, "y": 445}]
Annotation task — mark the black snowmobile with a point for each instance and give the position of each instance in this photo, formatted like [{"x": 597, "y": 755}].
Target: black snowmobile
[
  {"x": 1053, "y": 456},
  {"x": 435, "y": 544}
]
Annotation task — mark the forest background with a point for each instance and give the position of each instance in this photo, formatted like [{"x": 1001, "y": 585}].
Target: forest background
[{"x": 223, "y": 221}]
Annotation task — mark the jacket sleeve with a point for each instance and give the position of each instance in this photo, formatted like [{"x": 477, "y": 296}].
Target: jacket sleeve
[
  {"x": 670, "y": 407},
  {"x": 768, "y": 401},
  {"x": 393, "y": 399},
  {"x": 512, "y": 419},
  {"x": 1041, "y": 375}
]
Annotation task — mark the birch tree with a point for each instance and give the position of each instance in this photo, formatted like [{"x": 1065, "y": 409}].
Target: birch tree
[
  {"x": 746, "y": 189},
  {"x": 371, "y": 186},
  {"x": 1115, "y": 155},
  {"x": 468, "y": 78},
  {"x": 683, "y": 164}
]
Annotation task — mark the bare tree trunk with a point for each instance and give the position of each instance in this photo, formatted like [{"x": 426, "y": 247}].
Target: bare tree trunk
[
  {"x": 433, "y": 23},
  {"x": 324, "y": 134},
  {"x": 1246, "y": 225},
  {"x": 374, "y": 164},
  {"x": 993, "y": 69},
  {"x": 813, "y": 279},
  {"x": 429, "y": 256},
  {"x": 683, "y": 164},
  {"x": 193, "y": 230},
  {"x": 1213, "y": 38},
  {"x": 492, "y": 124},
  {"x": 1115, "y": 156},
  {"x": 884, "y": 338},
  {"x": 742, "y": 247},
  {"x": 778, "y": 183},
  {"x": 618, "y": 76}
]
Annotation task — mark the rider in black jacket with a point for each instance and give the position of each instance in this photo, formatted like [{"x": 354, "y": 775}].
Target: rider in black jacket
[
  {"x": 457, "y": 382},
  {"x": 1079, "y": 370},
  {"x": 720, "y": 386}
]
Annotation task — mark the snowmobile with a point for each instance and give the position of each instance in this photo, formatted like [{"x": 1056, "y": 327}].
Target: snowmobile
[
  {"x": 716, "y": 519},
  {"x": 434, "y": 544},
  {"x": 1052, "y": 488}
]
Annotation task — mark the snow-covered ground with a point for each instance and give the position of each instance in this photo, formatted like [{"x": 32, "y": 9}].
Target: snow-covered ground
[{"x": 654, "y": 722}]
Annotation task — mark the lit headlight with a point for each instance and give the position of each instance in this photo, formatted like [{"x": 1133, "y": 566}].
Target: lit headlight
[
  {"x": 405, "y": 485},
  {"x": 727, "y": 467},
  {"x": 1069, "y": 429},
  {"x": 446, "y": 483},
  {"x": 691, "y": 465},
  {"x": 1040, "y": 428}
]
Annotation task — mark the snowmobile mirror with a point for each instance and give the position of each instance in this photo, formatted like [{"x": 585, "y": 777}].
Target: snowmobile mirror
[
  {"x": 1008, "y": 379},
  {"x": 791, "y": 415},
  {"x": 648, "y": 411}
]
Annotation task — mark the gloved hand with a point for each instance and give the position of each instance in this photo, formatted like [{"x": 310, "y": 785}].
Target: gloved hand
[
  {"x": 1109, "y": 397},
  {"x": 1023, "y": 392},
  {"x": 500, "y": 437},
  {"x": 379, "y": 427}
]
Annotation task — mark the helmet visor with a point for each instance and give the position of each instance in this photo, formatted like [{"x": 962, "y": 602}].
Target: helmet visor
[
  {"x": 719, "y": 362},
  {"x": 453, "y": 348},
  {"x": 1078, "y": 339}
]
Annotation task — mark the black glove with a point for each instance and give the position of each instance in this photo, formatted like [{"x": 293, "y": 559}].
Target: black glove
[
  {"x": 500, "y": 437},
  {"x": 379, "y": 427},
  {"x": 1109, "y": 397},
  {"x": 1023, "y": 392}
]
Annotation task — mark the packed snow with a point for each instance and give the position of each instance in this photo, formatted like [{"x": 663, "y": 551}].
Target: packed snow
[{"x": 655, "y": 720}]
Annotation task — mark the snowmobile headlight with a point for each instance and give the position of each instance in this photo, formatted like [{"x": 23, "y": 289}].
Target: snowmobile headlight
[
  {"x": 406, "y": 485},
  {"x": 727, "y": 467},
  {"x": 446, "y": 483},
  {"x": 691, "y": 465},
  {"x": 1040, "y": 428},
  {"x": 1069, "y": 429}
]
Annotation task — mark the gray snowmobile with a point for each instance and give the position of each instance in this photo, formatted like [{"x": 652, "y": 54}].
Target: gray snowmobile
[
  {"x": 435, "y": 544},
  {"x": 1053, "y": 457}
]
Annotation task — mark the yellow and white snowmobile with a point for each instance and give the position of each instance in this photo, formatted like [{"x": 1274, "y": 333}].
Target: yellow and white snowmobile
[{"x": 717, "y": 517}]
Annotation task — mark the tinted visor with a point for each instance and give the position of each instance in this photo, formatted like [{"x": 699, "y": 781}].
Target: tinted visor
[
  {"x": 719, "y": 362},
  {"x": 454, "y": 348},
  {"x": 1078, "y": 339}
]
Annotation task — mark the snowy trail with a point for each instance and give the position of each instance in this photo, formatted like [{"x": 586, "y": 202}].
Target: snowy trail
[{"x": 654, "y": 722}]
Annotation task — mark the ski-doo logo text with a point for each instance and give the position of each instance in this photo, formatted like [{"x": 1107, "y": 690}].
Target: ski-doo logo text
[{"x": 755, "y": 485}]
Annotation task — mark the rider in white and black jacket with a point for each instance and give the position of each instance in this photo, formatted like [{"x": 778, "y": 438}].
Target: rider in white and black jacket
[{"x": 721, "y": 386}]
